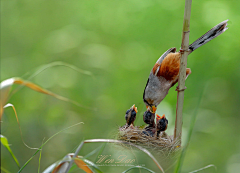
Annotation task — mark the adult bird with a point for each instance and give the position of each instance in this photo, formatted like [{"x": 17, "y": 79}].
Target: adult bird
[{"x": 165, "y": 72}]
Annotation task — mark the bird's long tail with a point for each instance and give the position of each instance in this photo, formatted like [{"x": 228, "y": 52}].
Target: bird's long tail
[{"x": 211, "y": 34}]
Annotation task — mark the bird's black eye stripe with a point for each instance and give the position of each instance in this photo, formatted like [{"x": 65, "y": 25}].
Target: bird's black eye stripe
[
  {"x": 145, "y": 101},
  {"x": 144, "y": 92}
]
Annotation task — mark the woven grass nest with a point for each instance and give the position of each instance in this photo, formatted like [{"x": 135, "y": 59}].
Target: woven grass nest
[
  {"x": 152, "y": 136},
  {"x": 139, "y": 136}
]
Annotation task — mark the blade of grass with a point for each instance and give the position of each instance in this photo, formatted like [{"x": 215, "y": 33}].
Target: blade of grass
[
  {"x": 74, "y": 156},
  {"x": 45, "y": 143},
  {"x": 82, "y": 165},
  {"x": 93, "y": 165},
  {"x": 101, "y": 148},
  {"x": 4, "y": 142},
  {"x": 6, "y": 171},
  {"x": 5, "y": 88},
  {"x": 39, "y": 160},
  {"x": 114, "y": 141},
  {"x": 208, "y": 166},
  {"x": 80, "y": 162},
  {"x": 50, "y": 168},
  {"x": 10, "y": 105},
  {"x": 53, "y": 64},
  {"x": 56, "y": 63},
  {"x": 73, "y": 168},
  {"x": 93, "y": 152},
  {"x": 44, "y": 91},
  {"x": 193, "y": 119},
  {"x": 100, "y": 152},
  {"x": 138, "y": 167}
]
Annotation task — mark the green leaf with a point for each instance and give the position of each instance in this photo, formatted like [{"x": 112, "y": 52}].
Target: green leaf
[
  {"x": 5, "y": 88},
  {"x": 4, "y": 142}
]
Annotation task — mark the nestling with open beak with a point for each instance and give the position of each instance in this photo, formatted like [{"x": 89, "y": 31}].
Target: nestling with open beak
[
  {"x": 130, "y": 115},
  {"x": 162, "y": 124},
  {"x": 165, "y": 72}
]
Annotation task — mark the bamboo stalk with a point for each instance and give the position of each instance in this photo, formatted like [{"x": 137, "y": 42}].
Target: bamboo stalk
[{"x": 182, "y": 71}]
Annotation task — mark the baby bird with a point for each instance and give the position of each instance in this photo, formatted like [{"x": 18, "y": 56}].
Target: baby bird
[
  {"x": 130, "y": 115},
  {"x": 162, "y": 124},
  {"x": 148, "y": 118}
]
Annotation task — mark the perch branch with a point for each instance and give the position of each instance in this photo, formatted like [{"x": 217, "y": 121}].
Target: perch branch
[{"x": 182, "y": 71}]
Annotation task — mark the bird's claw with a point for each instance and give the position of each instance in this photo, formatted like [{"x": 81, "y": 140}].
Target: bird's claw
[{"x": 177, "y": 89}]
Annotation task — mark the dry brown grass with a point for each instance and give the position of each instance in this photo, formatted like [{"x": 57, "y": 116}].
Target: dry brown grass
[{"x": 137, "y": 136}]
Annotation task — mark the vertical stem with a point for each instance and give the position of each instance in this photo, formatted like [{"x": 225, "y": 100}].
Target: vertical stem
[
  {"x": 182, "y": 71},
  {"x": 74, "y": 156}
]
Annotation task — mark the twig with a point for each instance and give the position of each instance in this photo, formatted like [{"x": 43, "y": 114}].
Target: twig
[{"x": 182, "y": 70}]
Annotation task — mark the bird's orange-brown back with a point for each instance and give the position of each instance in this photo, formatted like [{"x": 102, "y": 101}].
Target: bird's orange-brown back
[{"x": 170, "y": 66}]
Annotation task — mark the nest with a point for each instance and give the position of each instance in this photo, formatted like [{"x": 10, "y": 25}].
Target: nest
[{"x": 141, "y": 137}]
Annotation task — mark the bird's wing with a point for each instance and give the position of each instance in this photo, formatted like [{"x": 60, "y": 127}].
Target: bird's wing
[
  {"x": 157, "y": 66},
  {"x": 171, "y": 50}
]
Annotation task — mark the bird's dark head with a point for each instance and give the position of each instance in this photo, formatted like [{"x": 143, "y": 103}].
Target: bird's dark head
[
  {"x": 130, "y": 115},
  {"x": 162, "y": 123},
  {"x": 148, "y": 117}
]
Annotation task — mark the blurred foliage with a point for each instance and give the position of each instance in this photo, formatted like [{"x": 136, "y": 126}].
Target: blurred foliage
[{"x": 119, "y": 42}]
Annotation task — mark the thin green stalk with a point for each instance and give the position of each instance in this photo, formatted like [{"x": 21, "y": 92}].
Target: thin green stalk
[
  {"x": 182, "y": 71},
  {"x": 39, "y": 160}
]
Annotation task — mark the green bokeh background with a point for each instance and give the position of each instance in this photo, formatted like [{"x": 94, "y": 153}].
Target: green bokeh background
[{"x": 118, "y": 41}]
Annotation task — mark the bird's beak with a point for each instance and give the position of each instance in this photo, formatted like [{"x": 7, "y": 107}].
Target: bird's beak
[
  {"x": 154, "y": 109},
  {"x": 135, "y": 108},
  {"x": 158, "y": 117}
]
